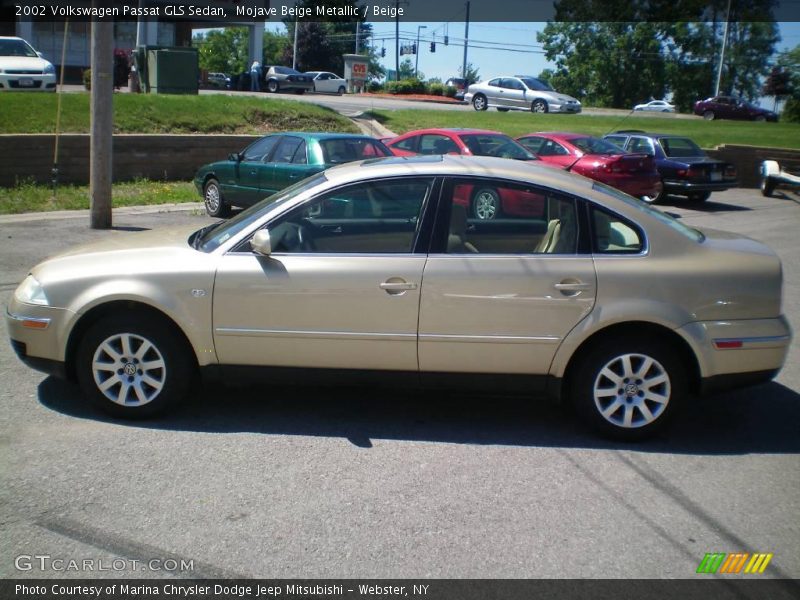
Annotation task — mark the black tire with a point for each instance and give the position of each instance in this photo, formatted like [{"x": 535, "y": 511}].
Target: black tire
[
  {"x": 502, "y": 109},
  {"x": 709, "y": 115},
  {"x": 139, "y": 399},
  {"x": 486, "y": 204},
  {"x": 768, "y": 185},
  {"x": 479, "y": 102},
  {"x": 273, "y": 87},
  {"x": 342, "y": 90},
  {"x": 635, "y": 410},
  {"x": 700, "y": 196},
  {"x": 540, "y": 106},
  {"x": 299, "y": 92},
  {"x": 760, "y": 118},
  {"x": 214, "y": 201}
]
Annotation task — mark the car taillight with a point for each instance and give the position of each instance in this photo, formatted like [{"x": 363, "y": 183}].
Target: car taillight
[
  {"x": 695, "y": 172},
  {"x": 681, "y": 172},
  {"x": 613, "y": 166}
]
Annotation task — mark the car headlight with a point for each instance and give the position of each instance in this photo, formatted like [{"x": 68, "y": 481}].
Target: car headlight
[
  {"x": 31, "y": 291},
  {"x": 49, "y": 69}
]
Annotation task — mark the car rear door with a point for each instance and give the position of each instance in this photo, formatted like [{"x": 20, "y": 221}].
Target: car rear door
[{"x": 499, "y": 296}]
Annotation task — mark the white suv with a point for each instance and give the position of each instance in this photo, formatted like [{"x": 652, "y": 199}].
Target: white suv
[{"x": 22, "y": 68}]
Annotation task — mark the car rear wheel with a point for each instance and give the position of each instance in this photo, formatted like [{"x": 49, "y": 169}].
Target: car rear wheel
[
  {"x": 654, "y": 199},
  {"x": 342, "y": 90},
  {"x": 768, "y": 186},
  {"x": 299, "y": 92},
  {"x": 539, "y": 106},
  {"x": 213, "y": 200},
  {"x": 700, "y": 196},
  {"x": 709, "y": 115},
  {"x": 761, "y": 118},
  {"x": 486, "y": 204},
  {"x": 272, "y": 86},
  {"x": 479, "y": 102},
  {"x": 628, "y": 389},
  {"x": 133, "y": 366}
]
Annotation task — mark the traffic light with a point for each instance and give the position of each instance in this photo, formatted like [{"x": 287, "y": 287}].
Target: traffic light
[
  {"x": 433, "y": 46},
  {"x": 413, "y": 48},
  {"x": 446, "y": 40},
  {"x": 383, "y": 52}
]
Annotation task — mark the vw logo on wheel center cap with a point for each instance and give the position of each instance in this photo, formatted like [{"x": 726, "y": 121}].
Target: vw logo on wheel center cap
[
  {"x": 631, "y": 389},
  {"x": 130, "y": 369}
]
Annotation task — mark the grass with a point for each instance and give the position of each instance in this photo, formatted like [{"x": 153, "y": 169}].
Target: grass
[
  {"x": 30, "y": 197},
  {"x": 151, "y": 113},
  {"x": 707, "y": 134}
]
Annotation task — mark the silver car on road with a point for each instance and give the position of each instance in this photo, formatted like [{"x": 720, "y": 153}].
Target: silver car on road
[
  {"x": 520, "y": 92},
  {"x": 375, "y": 269}
]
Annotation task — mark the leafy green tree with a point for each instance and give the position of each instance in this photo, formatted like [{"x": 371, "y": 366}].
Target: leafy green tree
[
  {"x": 223, "y": 50},
  {"x": 790, "y": 62},
  {"x": 472, "y": 75},
  {"x": 407, "y": 70}
]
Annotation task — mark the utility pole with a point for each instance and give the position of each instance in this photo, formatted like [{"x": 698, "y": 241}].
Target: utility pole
[
  {"x": 722, "y": 54},
  {"x": 466, "y": 44},
  {"x": 294, "y": 46},
  {"x": 102, "y": 122},
  {"x": 358, "y": 30},
  {"x": 397, "y": 40}
]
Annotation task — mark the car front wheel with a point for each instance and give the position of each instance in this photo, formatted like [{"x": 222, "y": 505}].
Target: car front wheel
[
  {"x": 767, "y": 186},
  {"x": 213, "y": 200},
  {"x": 479, "y": 102},
  {"x": 539, "y": 106},
  {"x": 709, "y": 115},
  {"x": 628, "y": 389},
  {"x": 342, "y": 90},
  {"x": 133, "y": 366}
]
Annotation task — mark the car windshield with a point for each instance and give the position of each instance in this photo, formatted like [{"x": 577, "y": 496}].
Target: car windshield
[
  {"x": 692, "y": 234},
  {"x": 286, "y": 71},
  {"x": 212, "y": 237},
  {"x": 591, "y": 145},
  {"x": 680, "y": 147},
  {"x": 496, "y": 144},
  {"x": 537, "y": 84},
  {"x": 16, "y": 48},
  {"x": 337, "y": 151}
]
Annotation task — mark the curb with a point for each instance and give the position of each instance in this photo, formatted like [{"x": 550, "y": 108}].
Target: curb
[{"x": 59, "y": 215}]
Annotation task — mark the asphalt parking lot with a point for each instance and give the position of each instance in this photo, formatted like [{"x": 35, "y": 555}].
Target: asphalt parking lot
[{"x": 334, "y": 483}]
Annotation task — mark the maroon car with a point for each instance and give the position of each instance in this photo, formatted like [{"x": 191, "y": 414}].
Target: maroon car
[
  {"x": 728, "y": 107},
  {"x": 634, "y": 174}
]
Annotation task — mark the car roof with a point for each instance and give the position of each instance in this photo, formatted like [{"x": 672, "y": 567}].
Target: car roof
[
  {"x": 459, "y": 130},
  {"x": 565, "y": 135},
  {"x": 325, "y": 135},
  {"x": 460, "y": 166}
]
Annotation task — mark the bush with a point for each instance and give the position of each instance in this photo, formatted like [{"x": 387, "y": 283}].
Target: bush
[
  {"x": 406, "y": 86},
  {"x": 791, "y": 111},
  {"x": 87, "y": 79},
  {"x": 436, "y": 89},
  {"x": 450, "y": 91},
  {"x": 375, "y": 87}
]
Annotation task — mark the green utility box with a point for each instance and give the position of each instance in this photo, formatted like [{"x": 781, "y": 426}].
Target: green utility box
[{"x": 168, "y": 70}]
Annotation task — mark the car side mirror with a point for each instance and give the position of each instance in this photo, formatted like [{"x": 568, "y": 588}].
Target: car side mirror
[
  {"x": 40, "y": 54},
  {"x": 260, "y": 243},
  {"x": 235, "y": 157}
]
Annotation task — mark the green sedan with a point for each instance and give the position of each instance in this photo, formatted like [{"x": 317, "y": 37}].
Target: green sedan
[{"x": 277, "y": 161}]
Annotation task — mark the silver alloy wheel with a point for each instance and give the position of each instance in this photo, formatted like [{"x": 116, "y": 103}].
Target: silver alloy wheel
[
  {"x": 212, "y": 198},
  {"x": 632, "y": 390},
  {"x": 479, "y": 102},
  {"x": 539, "y": 106},
  {"x": 129, "y": 370},
  {"x": 486, "y": 205}
]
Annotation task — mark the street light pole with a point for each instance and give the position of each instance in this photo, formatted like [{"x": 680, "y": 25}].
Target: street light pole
[{"x": 416, "y": 64}]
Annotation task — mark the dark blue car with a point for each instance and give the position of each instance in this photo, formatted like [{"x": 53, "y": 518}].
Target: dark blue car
[{"x": 684, "y": 168}]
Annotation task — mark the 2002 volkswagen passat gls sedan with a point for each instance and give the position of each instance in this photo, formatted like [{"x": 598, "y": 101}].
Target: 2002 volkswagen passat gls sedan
[{"x": 377, "y": 268}]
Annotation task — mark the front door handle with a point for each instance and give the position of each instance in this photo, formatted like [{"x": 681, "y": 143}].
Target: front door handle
[{"x": 397, "y": 286}]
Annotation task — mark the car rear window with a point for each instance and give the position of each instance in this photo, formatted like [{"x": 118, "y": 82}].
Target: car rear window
[
  {"x": 591, "y": 145},
  {"x": 680, "y": 147}
]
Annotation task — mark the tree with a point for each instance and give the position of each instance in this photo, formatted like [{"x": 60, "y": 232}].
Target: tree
[
  {"x": 407, "y": 70},
  {"x": 790, "y": 61},
  {"x": 472, "y": 75},
  {"x": 223, "y": 50},
  {"x": 778, "y": 84}
]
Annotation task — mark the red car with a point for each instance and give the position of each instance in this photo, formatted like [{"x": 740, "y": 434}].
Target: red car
[
  {"x": 483, "y": 203},
  {"x": 634, "y": 174}
]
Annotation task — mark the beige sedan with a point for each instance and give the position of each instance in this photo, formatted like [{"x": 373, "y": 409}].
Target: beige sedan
[{"x": 374, "y": 269}]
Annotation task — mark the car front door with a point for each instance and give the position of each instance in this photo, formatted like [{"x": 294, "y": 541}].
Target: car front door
[
  {"x": 339, "y": 290},
  {"x": 515, "y": 93},
  {"x": 242, "y": 182},
  {"x": 499, "y": 296},
  {"x": 288, "y": 165}
]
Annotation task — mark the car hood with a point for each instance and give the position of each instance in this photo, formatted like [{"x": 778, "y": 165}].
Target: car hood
[{"x": 27, "y": 63}]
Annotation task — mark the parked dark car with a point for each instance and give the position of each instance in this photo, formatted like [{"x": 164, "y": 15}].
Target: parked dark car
[
  {"x": 279, "y": 79},
  {"x": 728, "y": 107},
  {"x": 460, "y": 85},
  {"x": 277, "y": 161},
  {"x": 685, "y": 169}
]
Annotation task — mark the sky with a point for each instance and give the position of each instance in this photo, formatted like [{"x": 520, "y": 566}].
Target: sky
[{"x": 495, "y": 48}]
